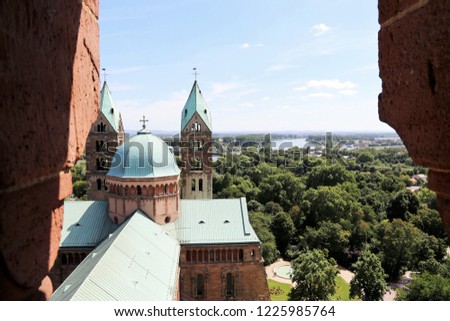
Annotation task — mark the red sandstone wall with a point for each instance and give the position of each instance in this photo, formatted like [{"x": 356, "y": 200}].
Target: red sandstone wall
[
  {"x": 250, "y": 276},
  {"x": 414, "y": 60},
  {"x": 49, "y": 96}
]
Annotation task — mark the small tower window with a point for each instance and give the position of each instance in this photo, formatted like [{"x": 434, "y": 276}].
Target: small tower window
[
  {"x": 139, "y": 190},
  {"x": 230, "y": 285},
  {"x": 193, "y": 185},
  {"x": 97, "y": 146},
  {"x": 99, "y": 184},
  {"x": 200, "y": 286},
  {"x": 200, "y": 184}
]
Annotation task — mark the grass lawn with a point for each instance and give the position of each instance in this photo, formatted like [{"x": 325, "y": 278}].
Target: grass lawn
[
  {"x": 342, "y": 291},
  {"x": 274, "y": 286}
]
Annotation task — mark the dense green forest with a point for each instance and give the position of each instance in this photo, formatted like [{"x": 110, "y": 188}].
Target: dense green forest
[{"x": 342, "y": 204}]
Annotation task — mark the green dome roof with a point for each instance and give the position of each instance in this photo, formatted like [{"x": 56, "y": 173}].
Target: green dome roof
[{"x": 144, "y": 156}]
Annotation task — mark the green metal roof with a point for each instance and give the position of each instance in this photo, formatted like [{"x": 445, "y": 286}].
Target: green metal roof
[
  {"x": 108, "y": 107},
  {"x": 86, "y": 224},
  {"x": 144, "y": 156},
  {"x": 195, "y": 104},
  {"x": 138, "y": 262},
  {"x": 216, "y": 221}
]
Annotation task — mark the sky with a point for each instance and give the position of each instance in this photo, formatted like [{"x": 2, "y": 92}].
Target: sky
[{"x": 263, "y": 66}]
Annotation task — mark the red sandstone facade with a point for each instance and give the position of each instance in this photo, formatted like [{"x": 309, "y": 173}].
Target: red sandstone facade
[{"x": 222, "y": 273}]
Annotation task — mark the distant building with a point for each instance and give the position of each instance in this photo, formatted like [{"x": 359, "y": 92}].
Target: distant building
[{"x": 137, "y": 240}]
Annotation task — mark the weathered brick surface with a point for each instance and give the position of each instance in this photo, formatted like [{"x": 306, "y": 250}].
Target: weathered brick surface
[
  {"x": 250, "y": 281},
  {"x": 391, "y": 8},
  {"x": 49, "y": 60},
  {"x": 414, "y": 60}
]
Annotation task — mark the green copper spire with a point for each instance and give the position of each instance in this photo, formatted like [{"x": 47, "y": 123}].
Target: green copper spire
[
  {"x": 196, "y": 104},
  {"x": 108, "y": 107}
]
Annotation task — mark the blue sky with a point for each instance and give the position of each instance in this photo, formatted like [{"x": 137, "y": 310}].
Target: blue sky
[{"x": 263, "y": 65}]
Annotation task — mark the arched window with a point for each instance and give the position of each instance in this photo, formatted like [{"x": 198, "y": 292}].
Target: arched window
[
  {"x": 235, "y": 255},
  {"x": 229, "y": 256},
  {"x": 188, "y": 256},
  {"x": 200, "y": 256},
  {"x": 63, "y": 259},
  {"x": 241, "y": 255},
  {"x": 211, "y": 255},
  {"x": 97, "y": 146},
  {"x": 217, "y": 255},
  {"x": 194, "y": 256},
  {"x": 200, "y": 288},
  {"x": 99, "y": 128},
  {"x": 99, "y": 184},
  {"x": 193, "y": 185},
  {"x": 205, "y": 255},
  {"x": 139, "y": 190},
  {"x": 230, "y": 285},
  {"x": 200, "y": 184},
  {"x": 224, "y": 256},
  {"x": 97, "y": 162},
  {"x": 167, "y": 219},
  {"x": 166, "y": 189}
]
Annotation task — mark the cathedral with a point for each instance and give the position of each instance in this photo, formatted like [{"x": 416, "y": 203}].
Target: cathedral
[{"x": 150, "y": 230}]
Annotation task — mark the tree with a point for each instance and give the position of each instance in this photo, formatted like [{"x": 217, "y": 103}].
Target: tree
[
  {"x": 261, "y": 224},
  {"x": 314, "y": 276},
  {"x": 403, "y": 205},
  {"x": 284, "y": 230},
  {"x": 80, "y": 188},
  {"x": 329, "y": 236},
  {"x": 329, "y": 176},
  {"x": 426, "y": 287},
  {"x": 369, "y": 281}
]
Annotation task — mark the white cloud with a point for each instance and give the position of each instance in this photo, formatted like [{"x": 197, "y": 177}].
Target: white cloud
[
  {"x": 321, "y": 95},
  {"x": 247, "y": 105},
  {"x": 320, "y": 29},
  {"x": 245, "y": 46},
  {"x": 321, "y": 88},
  {"x": 266, "y": 98}
]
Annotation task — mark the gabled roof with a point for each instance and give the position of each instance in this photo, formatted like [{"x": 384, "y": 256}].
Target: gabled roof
[
  {"x": 216, "y": 221},
  {"x": 144, "y": 156},
  {"x": 86, "y": 224},
  {"x": 196, "y": 104},
  {"x": 139, "y": 261},
  {"x": 108, "y": 108}
]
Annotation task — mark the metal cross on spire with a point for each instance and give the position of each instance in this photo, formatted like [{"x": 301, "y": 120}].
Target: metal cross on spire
[
  {"x": 195, "y": 73},
  {"x": 143, "y": 120},
  {"x": 104, "y": 74}
]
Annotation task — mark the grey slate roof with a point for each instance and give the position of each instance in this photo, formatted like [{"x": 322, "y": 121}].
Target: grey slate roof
[
  {"x": 86, "y": 224},
  {"x": 139, "y": 261},
  {"x": 216, "y": 221},
  {"x": 144, "y": 156}
]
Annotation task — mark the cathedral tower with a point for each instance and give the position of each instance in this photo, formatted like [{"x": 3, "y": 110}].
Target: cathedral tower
[
  {"x": 105, "y": 135},
  {"x": 196, "y": 135}
]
